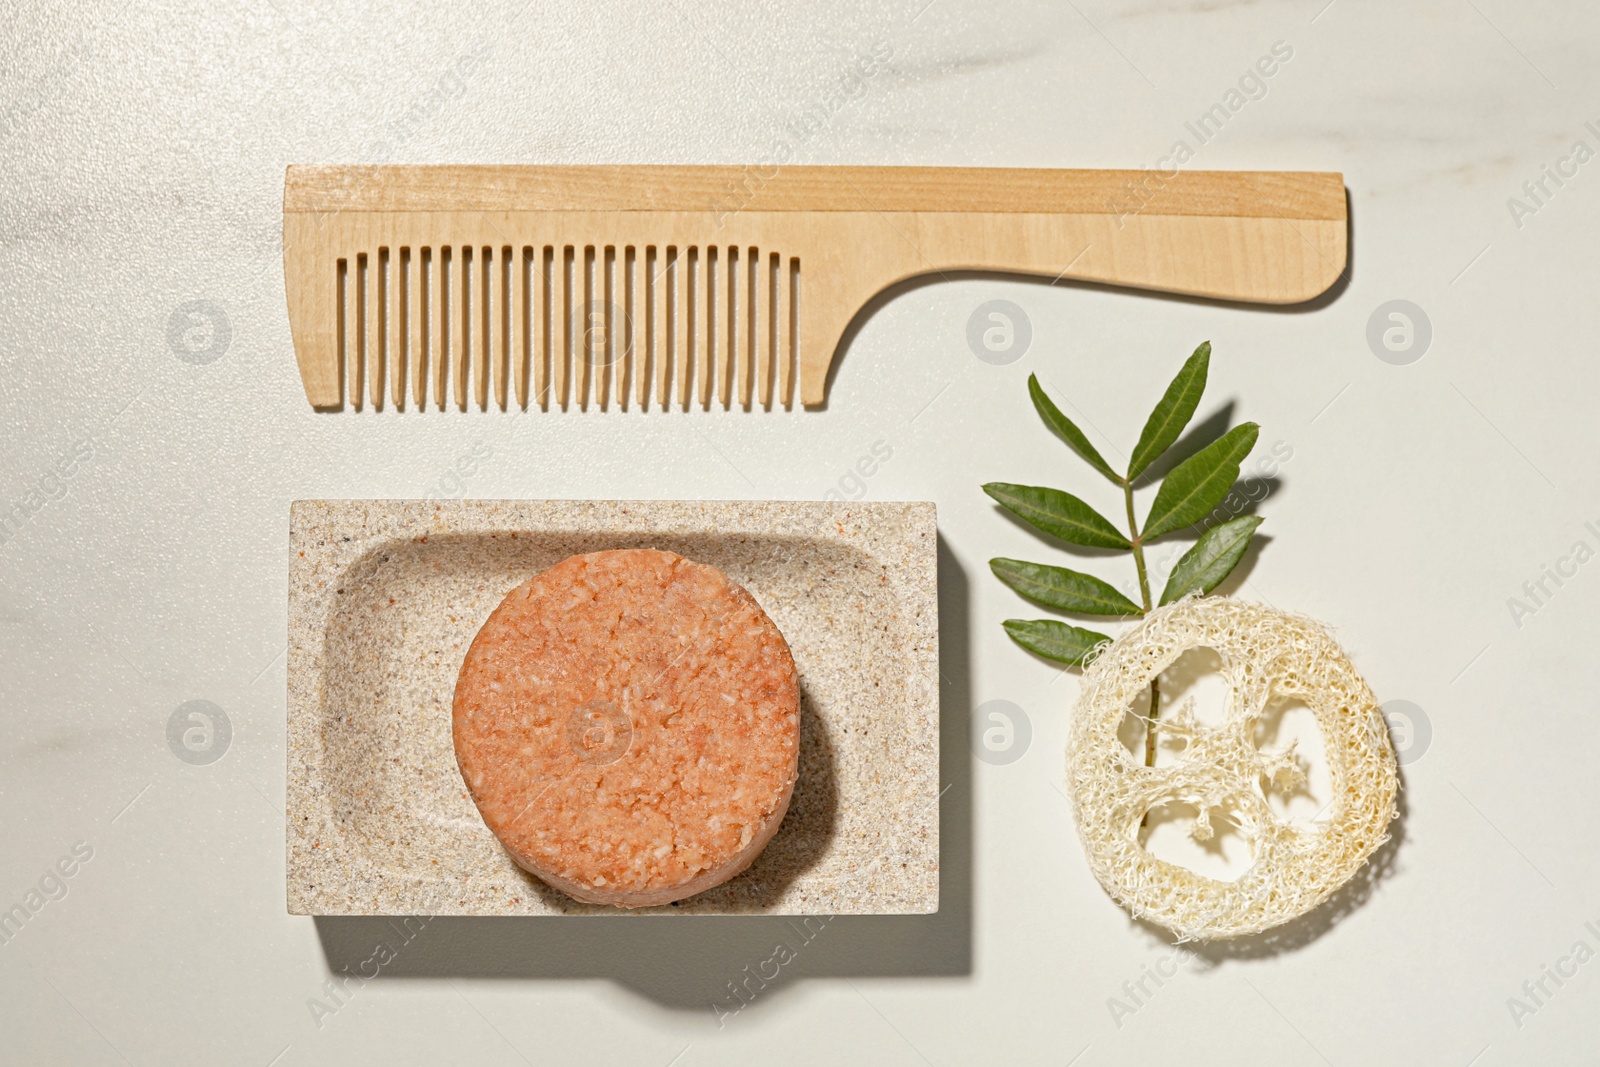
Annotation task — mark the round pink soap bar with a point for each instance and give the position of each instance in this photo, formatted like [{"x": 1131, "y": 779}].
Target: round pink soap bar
[{"x": 628, "y": 724}]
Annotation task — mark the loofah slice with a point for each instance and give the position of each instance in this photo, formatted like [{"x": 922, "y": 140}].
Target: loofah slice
[{"x": 1264, "y": 653}]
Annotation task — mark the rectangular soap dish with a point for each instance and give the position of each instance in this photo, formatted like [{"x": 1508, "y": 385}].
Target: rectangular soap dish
[{"x": 386, "y": 595}]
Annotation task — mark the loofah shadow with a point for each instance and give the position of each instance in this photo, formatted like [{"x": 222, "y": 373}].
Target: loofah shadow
[
  {"x": 724, "y": 966},
  {"x": 1298, "y": 933}
]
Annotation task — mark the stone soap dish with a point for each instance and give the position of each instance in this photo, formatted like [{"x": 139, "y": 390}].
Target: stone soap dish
[{"x": 386, "y": 595}]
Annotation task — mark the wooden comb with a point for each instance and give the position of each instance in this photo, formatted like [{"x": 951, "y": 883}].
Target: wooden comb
[{"x": 678, "y": 284}]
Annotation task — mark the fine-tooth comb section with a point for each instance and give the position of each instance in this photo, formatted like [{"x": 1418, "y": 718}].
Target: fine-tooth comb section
[
  {"x": 679, "y": 287},
  {"x": 483, "y": 326}
]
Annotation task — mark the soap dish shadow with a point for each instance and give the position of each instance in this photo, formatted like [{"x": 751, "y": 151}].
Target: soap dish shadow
[{"x": 720, "y": 963}]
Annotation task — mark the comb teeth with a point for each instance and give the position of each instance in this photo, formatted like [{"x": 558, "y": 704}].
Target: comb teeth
[{"x": 481, "y": 326}]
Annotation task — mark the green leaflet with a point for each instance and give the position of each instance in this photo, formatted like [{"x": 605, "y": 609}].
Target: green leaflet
[
  {"x": 1189, "y": 492},
  {"x": 1062, "y": 589},
  {"x": 1212, "y": 558},
  {"x": 1067, "y": 430},
  {"x": 1058, "y": 514},
  {"x": 1055, "y": 640},
  {"x": 1199, "y": 483},
  {"x": 1173, "y": 413}
]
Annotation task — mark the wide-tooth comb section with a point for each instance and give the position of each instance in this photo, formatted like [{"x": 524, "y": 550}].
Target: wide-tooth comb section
[
  {"x": 499, "y": 326},
  {"x": 503, "y": 336},
  {"x": 606, "y": 343},
  {"x": 544, "y": 350},
  {"x": 461, "y": 350},
  {"x": 705, "y": 295},
  {"x": 482, "y": 328},
  {"x": 393, "y": 301},
  {"x": 565, "y": 262},
  {"x": 620, "y": 332},
  {"x": 439, "y": 317},
  {"x": 730, "y": 316},
  {"x": 416, "y": 325},
  {"x": 685, "y": 275},
  {"x": 377, "y": 320},
  {"x": 520, "y": 266}
]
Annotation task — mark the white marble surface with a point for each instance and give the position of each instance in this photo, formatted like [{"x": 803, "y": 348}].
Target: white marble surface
[{"x": 141, "y": 157}]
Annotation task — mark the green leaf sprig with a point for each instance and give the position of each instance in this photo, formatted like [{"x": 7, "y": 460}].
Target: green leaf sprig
[{"x": 1189, "y": 492}]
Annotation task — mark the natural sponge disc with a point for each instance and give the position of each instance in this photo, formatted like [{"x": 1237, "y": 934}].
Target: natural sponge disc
[
  {"x": 628, "y": 724},
  {"x": 1265, "y": 654}
]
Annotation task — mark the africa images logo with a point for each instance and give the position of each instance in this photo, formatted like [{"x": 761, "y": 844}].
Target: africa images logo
[{"x": 50, "y": 887}]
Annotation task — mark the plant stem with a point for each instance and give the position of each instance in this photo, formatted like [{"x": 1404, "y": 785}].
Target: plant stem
[
  {"x": 1150, "y": 730},
  {"x": 1144, "y": 592},
  {"x": 1138, "y": 545}
]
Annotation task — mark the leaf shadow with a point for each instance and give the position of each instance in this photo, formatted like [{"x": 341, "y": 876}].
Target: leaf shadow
[
  {"x": 1240, "y": 574},
  {"x": 1247, "y": 495},
  {"x": 1197, "y": 436}
]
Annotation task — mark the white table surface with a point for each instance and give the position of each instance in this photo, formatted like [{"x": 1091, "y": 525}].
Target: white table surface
[{"x": 141, "y": 166}]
